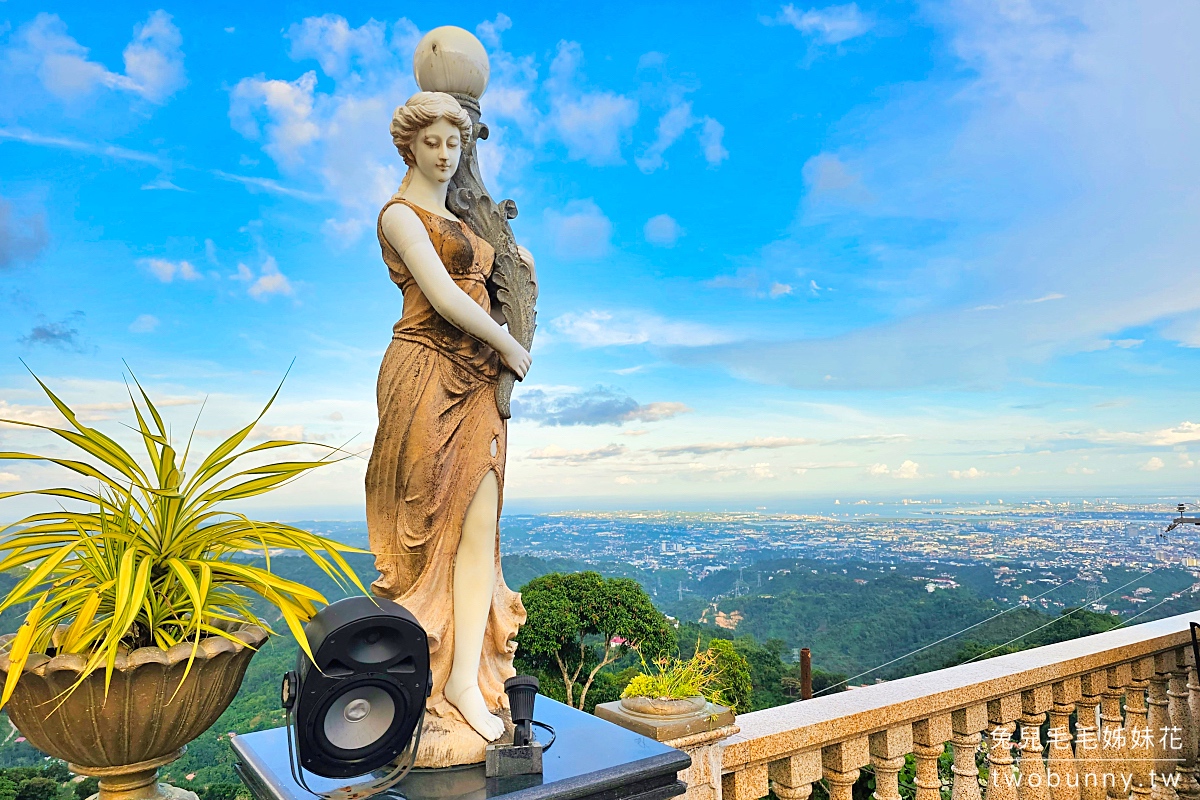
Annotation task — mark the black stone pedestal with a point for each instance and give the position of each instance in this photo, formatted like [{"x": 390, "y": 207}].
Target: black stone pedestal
[{"x": 591, "y": 759}]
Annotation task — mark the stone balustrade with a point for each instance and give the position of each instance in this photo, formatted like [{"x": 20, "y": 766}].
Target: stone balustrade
[{"x": 1132, "y": 694}]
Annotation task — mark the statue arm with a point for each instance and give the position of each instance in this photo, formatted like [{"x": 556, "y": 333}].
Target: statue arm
[{"x": 406, "y": 233}]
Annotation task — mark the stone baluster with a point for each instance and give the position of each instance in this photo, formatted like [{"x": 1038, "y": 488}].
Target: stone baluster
[
  {"x": 929, "y": 742},
  {"x": 1159, "y": 720},
  {"x": 792, "y": 778},
  {"x": 967, "y": 724},
  {"x": 1137, "y": 729},
  {"x": 1180, "y": 730},
  {"x": 1034, "y": 781},
  {"x": 1061, "y": 767},
  {"x": 1114, "y": 750},
  {"x": 888, "y": 749},
  {"x": 748, "y": 783},
  {"x": 1087, "y": 736},
  {"x": 1190, "y": 742},
  {"x": 1002, "y": 716},
  {"x": 842, "y": 762}
]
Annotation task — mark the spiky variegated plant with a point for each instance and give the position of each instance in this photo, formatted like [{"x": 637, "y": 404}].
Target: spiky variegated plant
[{"x": 149, "y": 560}]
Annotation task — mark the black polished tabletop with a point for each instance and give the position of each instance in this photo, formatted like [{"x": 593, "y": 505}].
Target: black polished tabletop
[{"x": 591, "y": 758}]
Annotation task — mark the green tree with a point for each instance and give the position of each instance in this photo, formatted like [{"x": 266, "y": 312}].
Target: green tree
[
  {"x": 86, "y": 788},
  {"x": 8, "y": 789},
  {"x": 734, "y": 681},
  {"x": 38, "y": 789},
  {"x": 57, "y": 770},
  {"x": 219, "y": 791},
  {"x": 580, "y": 622}
]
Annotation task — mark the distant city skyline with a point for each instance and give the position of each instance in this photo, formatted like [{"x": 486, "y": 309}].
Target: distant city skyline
[{"x": 787, "y": 253}]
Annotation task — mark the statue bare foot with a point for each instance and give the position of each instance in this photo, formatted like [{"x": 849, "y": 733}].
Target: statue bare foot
[{"x": 469, "y": 701}]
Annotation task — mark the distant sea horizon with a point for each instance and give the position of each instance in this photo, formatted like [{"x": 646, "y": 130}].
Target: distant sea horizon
[{"x": 843, "y": 506}]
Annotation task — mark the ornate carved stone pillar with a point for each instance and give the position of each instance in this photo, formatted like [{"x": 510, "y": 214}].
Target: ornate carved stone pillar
[
  {"x": 1137, "y": 730},
  {"x": 1087, "y": 736},
  {"x": 888, "y": 749},
  {"x": 929, "y": 742},
  {"x": 1034, "y": 781},
  {"x": 792, "y": 778},
  {"x": 1180, "y": 732},
  {"x": 1002, "y": 715},
  {"x": 1159, "y": 720},
  {"x": 967, "y": 724},
  {"x": 1062, "y": 771},
  {"x": 1114, "y": 750},
  {"x": 841, "y": 763}
]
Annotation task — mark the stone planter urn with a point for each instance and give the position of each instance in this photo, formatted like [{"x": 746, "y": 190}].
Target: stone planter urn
[
  {"x": 664, "y": 707},
  {"x": 144, "y": 722},
  {"x": 693, "y": 725}
]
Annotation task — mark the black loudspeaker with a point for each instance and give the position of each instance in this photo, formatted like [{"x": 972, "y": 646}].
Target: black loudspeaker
[{"x": 356, "y": 706}]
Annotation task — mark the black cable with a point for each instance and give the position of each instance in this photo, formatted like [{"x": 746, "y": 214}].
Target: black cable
[{"x": 545, "y": 727}]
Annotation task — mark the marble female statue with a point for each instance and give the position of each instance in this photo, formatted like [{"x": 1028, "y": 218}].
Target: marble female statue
[{"x": 435, "y": 480}]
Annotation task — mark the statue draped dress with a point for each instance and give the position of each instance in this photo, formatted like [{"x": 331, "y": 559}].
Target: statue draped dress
[{"x": 439, "y": 434}]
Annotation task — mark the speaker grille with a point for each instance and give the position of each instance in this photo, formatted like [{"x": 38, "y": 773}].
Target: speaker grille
[{"x": 359, "y": 717}]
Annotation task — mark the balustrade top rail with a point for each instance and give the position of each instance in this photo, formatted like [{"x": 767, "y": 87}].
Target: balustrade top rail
[{"x": 777, "y": 732}]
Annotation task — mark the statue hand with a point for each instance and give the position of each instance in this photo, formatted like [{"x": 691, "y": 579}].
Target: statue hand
[{"x": 516, "y": 357}]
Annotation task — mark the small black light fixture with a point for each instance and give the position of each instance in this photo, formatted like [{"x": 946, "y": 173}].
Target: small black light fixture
[
  {"x": 522, "y": 691},
  {"x": 524, "y": 755},
  {"x": 358, "y": 705}
]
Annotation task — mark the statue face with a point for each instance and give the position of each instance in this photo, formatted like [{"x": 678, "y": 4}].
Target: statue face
[{"x": 437, "y": 150}]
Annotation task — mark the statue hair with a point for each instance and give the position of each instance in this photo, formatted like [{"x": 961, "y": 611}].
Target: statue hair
[{"x": 422, "y": 110}]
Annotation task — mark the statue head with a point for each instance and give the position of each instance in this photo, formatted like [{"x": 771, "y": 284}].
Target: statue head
[{"x": 430, "y": 131}]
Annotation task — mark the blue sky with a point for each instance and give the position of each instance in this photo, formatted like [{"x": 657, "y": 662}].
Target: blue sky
[{"x": 785, "y": 251}]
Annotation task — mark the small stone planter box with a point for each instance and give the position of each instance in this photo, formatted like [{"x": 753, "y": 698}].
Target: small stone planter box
[{"x": 697, "y": 728}]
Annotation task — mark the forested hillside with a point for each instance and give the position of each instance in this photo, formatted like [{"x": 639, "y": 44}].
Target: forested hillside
[{"x": 853, "y": 617}]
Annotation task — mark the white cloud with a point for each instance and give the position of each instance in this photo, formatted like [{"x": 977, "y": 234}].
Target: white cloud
[
  {"x": 330, "y": 139},
  {"x": 831, "y": 180},
  {"x": 830, "y": 25},
  {"x": 671, "y": 125},
  {"x": 712, "y": 134},
  {"x": 269, "y": 281},
  {"x": 754, "y": 282},
  {"x": 9, "y": 477},
  {"x": 565, "y": 456},
  {"x": 908, "y": 470},
  {"x": 166, "y": 270},
  {"x": 1183, "y": 433},
  {"x": 337, "y": 139},
  {"x": 596, "y": 328},
  {"x": 675, "y": 122},
  {"x": 279, "y": 112},
  {"x": 1154, "y": 464},
  {"x": 489, "y": 31},
  {"x": 761, "y": 471},
  {"x": 592, "y": 124},
  {"x": 761, "y": 443},
  {"x": 967, "y": 474},
  {"x": 336, "y": 46},
  {"x": 153, "y": 60},
  {"x": 662, "y": 230},
  {"x": 580, "y": 231},
  {"x": 145, "y": 323},
  {"x": 655, "y": 412}
]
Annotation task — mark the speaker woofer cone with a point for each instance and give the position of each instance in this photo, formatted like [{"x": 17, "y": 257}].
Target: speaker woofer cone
[{"x": 357, "y": 719}]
